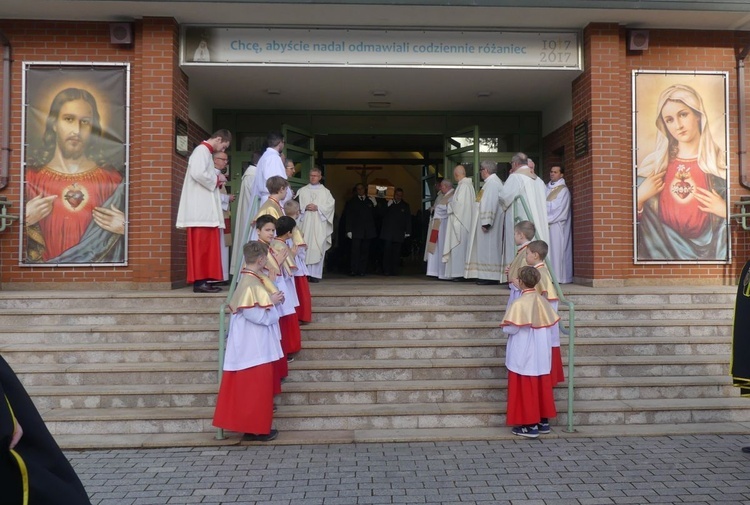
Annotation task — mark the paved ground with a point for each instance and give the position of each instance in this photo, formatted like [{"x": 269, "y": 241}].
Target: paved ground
[{"x": 705, "y": 469}]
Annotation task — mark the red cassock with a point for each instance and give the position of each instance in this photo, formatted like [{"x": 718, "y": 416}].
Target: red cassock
[
  {"x": 291, "y": 337},
  {"x": 245, "y": 401},
  {"x": 204, "y": 254},
  {"x": 557, "y": 374},
  {"x": 304, "y": 310},
  {"x": 530, "y": 399}
]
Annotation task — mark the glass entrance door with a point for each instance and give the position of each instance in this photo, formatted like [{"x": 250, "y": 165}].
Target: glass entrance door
[
  {"x": 299, "y": 146},
  {"x": 462, "y": 148}
]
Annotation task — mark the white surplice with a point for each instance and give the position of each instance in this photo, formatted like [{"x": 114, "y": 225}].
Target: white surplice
[
  {"x": 458, "y": 231},
  {"x": 316, "y": 226},
  {"x": 244, "y": 213},
  {"x": 523, "y": 183},
  {"x": 435, "y": 265},
  {"x": 560, "y": 231},
  {"x": 484, "y": 256}
]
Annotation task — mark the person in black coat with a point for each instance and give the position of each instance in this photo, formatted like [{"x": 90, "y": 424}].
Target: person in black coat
[
  {"x": 360, "y": 228},
  {"x": 396, "y": 228},
  {"x": 33, "y": 469}
]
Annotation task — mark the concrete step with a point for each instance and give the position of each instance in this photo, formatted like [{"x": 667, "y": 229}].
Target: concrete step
[
  {"x": 106, "y": 421},
  {"x": 592, "y": 310},
  {"x": 680, "y": 312},
  {"x": 123, "y": 396},
  {"x": 487, "y": 390},
  {"x": 104, "y": 316},
  {"x": 491, "y": 328},
  {"x": 114, "y": 300},
  {"x": 677, "y": 329},
  {"x": 404, "y": 435},
  {"x": 203, "y": 372},
  {"x": 376, "y": 392},
  {"x": 489, "y": 347},
  {"x": 485, "y": 368},
  {"x": 85, "y": 335},
  {"x": 88, "y": 374},
  {"x": 403, "y": 314},
  {"x": 137, "y": 352},
  {"x": 400, "y": 349}
]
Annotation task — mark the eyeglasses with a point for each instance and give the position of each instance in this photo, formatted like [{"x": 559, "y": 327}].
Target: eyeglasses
[{"x": 222, "y": 159}]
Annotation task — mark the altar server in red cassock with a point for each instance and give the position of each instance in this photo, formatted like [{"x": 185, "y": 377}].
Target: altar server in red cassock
[
  {"x": 304, "y": 309},
  {"x": 245, "y": 402},
  {"x": 201, "y": 214},
  {"x": 528, "y": 358}
]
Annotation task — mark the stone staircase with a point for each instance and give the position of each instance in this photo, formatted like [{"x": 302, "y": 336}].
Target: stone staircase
[{"x": 419, "y": 361}]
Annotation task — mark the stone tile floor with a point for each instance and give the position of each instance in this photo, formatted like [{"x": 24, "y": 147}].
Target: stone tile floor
[{"x": 699, "y": 469}]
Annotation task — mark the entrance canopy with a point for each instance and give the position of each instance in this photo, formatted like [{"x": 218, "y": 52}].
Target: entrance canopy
[{"x": 391, "y": 89}]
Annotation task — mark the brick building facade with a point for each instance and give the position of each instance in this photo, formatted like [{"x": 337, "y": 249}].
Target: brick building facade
[{"x": 602, "y": 180}]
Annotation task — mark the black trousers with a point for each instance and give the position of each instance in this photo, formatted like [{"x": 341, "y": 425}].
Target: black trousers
[
  {"x": 360, "y": 254},
  {"x": 391, "y": 257}
]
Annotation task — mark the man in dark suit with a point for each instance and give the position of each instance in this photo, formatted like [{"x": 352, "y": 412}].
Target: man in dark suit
[
  {"x": 396, "y": 228},
  {"x": 360, "y": 228}
]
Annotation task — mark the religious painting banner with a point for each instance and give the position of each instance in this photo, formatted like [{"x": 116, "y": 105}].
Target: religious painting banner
[
  {"x": 75, "y": 164},
  {"x": 680, "y": 156}
]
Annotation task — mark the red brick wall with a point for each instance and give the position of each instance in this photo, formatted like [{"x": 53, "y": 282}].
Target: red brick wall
[
  {"x": 158, "y": 93},
  {"x": 602, "y": 181}
]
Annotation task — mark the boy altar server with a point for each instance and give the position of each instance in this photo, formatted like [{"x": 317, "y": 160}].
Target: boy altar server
[
  {"x": 528, "y": 359},
  {"x": 245, "y": 402}
]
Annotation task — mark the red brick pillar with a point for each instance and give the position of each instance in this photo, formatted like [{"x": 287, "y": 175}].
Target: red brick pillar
[
  {"x": 157, "y": 180},
  {"x": 602, "y": 180}
]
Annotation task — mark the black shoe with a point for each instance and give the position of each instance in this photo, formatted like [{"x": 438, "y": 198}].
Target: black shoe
[
  {"x": 746, "y": 449},
  {"x": 312, "y": 279},
  {"x": 205, "y": 288},
  {"x": 250, "y": 437},
  {"x": 218, "y": 283},
  {"x": 487, "y": 282}
]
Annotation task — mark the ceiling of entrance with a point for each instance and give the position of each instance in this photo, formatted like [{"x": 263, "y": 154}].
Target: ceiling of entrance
[
  {"x": 405, "y": 89},
  {"x": 355, "y": 88}
]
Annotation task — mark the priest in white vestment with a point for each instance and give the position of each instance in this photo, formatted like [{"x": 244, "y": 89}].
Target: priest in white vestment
[
  {"x": 317, "y": 207},
  {"x": 436, "y": 232},
  {"x": 244, "y": 212},
  {"x": 458, "y": 230},
  {"x": 522, "y": 182},
  {"x": 270, "y": 164},
  {"x": 484, "y": 256},
  {"x": 560, "y": 254}
]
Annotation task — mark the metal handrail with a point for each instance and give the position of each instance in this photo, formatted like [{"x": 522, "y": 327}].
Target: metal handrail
[
  {"x": 223, "y": 309},
  {"x": 743, "y": 215},
  {"x": 5, "y": 218},
  {"x": 570, "y": 331}
]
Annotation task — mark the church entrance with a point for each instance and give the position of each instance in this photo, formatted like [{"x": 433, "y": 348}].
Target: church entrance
[
  {"x": 383, "y": 151},
  {"x": 382, "y": 163}
]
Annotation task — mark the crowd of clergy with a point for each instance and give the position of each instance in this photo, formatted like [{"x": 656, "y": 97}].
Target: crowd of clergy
[{"x": 470, "y": 235}]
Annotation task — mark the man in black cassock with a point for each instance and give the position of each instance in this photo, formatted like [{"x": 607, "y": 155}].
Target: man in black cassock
[
  {"x": 33, "y": 468},
  {"x": 739, "y": 368},
  {"x": 396, "y": 228}
]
